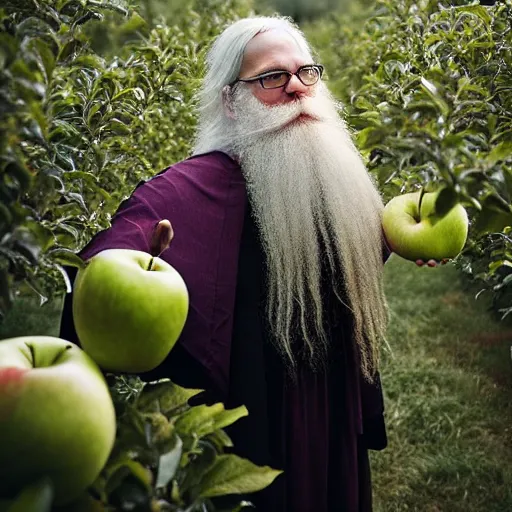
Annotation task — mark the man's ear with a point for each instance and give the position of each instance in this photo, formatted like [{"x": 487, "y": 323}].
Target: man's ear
[{"x": 227, "y": 101}]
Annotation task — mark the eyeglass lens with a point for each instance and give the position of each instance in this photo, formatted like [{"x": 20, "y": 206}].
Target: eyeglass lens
[{"x": 308, "y": 76}]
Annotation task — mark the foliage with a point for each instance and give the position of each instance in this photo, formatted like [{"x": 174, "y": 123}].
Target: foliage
[
  {"x": 168, "y": 456},
  {"x": 304, "y": 10},
  {"x": 78, "y": 130},
  {"x": 301, "y": 10},
  {"x": 427, "y": 90},
  {"x": 489, "y": 259}
]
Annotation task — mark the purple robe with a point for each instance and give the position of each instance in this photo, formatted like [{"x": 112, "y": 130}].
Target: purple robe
[{"x": 318, "y": 427}]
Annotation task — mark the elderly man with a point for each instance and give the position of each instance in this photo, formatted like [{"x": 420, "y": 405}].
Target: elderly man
[{"x": 278, "y": 237}]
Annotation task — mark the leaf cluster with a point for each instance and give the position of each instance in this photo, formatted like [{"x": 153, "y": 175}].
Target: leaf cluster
[{"x": 169, "y": 456}]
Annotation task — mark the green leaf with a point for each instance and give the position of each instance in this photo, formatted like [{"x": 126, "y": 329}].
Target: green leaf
[
  {"x": 231, "y": 474},
  {"x": 46, "y": 59},
  {"x": 205, "y": 419},
  {"x": 198, "y": 420},
  {"x": 476, "y": 10},
  {"x": 130, "y": 90},
  {"x": 117, "y": 126},
  {"x": 495, "y": 265},
  {"x": 195, "y": 466},
  {"x": 168, "y": 464},
  {"x": 90, "y": 61},
  {"x": 63, "y": 128},
  {"x": 42, "y": 233},
  {"x": 20, "y": 173},
  {"x": 33, "y": 26},
  {"x": 164, "y": 396},
  {"x": 433, "y": 92},
  {"x": 369, "y": 137},
  {"x": 445, "y": 201},
  {"x": 123, "y": 468},
  {"x": 8, "y": 49},
  {"x": 500, "y": 152},
  {"x": 69, "y": 51},
  {"x": 66, "y": 257},
  {"x": 88, "y": 177},
  {"x": 226, "y": 418},
  {"x": 220, "y": 439},
  {"x": 491, "y": 221},
  {"x": 92, "y": 111},
  {"x": 36, "y": 497},
  {"x": 134, "y": 24}
]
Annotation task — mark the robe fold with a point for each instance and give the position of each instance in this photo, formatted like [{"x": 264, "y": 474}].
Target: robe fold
[{"x": 317, "y": 427}]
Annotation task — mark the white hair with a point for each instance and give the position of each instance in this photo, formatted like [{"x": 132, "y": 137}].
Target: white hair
[
  {"x": 317, "y": 209},
  {"x": 223, "y": 63}
]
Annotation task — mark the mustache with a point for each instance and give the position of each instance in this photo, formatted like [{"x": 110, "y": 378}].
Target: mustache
[{"x": 255, "y": 118}]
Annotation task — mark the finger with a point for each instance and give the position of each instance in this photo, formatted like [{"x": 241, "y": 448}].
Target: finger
[
  {"x": 161, "y": 238},
  {"x": 420, "y": 263},
  {"x": 432, "y": 263},
  {"x": 166, "y": 232},
  {"x": 444, "y": 261}
]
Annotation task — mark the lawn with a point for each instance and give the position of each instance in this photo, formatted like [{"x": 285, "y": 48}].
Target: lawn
[{"x": 448, "y": 389}]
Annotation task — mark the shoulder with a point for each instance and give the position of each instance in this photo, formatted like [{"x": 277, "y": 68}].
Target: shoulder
[
  {"x": 215, "y": 162},
  {"x": 213, "y": 171},
  {"x": 211, "y": 175}
]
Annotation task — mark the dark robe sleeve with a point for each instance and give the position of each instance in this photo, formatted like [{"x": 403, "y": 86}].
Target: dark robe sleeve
[
  {"x": 131, "y": 228},
  {"x": 204, "y": 199}
]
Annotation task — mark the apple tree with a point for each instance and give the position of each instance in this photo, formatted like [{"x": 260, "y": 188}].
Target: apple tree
[
  {"x": 427, "y": 90},
  {"x": 82, "y": 123}
]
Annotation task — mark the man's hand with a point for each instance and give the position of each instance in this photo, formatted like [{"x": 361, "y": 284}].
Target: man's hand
[
  {"x": 432, "y": 263},
  {"x": 161, "y": 238}
]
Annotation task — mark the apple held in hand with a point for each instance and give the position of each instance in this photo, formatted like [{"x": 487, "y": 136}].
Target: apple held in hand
[
  {"x": 129, "y": 309},
  {"x": 415, "y": 233},
  {"x": 57, "y": 418}
]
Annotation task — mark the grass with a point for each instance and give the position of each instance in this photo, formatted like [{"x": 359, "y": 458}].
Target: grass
[{"x": 448, "y": 393}]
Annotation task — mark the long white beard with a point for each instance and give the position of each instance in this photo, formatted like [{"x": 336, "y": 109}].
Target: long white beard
[{"x": 313, "y": 200}]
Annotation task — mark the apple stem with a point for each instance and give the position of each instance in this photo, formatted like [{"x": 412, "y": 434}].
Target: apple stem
[
  {"x": 32, "y": 354},
  {"x": 422, "y": 193},
  {"x": 150, "y": 266}
]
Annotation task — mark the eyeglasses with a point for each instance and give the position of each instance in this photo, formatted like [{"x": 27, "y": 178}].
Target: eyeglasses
[{"x": 308, "y": 75}]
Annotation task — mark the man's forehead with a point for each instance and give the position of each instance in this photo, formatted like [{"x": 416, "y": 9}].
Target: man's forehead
[{"x": 272, "y": 49}]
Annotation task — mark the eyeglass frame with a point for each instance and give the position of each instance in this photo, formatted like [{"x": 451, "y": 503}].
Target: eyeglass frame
[{"x": 289, "y": 73}]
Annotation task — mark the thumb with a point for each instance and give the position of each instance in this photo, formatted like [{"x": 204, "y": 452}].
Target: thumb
[{"x": 161, "y": 238}]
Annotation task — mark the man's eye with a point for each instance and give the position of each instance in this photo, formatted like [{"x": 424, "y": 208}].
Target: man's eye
[{"x": 274, "y": 77}]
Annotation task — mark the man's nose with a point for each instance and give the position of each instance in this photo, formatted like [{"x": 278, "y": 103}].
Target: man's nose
[{"x": 295, "y": 86}]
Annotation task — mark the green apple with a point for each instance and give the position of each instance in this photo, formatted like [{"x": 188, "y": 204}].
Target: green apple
[
  {"x": 57, "y": 419},
  {"x": 129, "y": 309},
  {"x": 414, "y": 232}
]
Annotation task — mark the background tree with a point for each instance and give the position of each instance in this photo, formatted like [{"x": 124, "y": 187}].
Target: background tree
[
  {"x": 427, "y": 90},
  {"x": 84, "y": 119}
]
